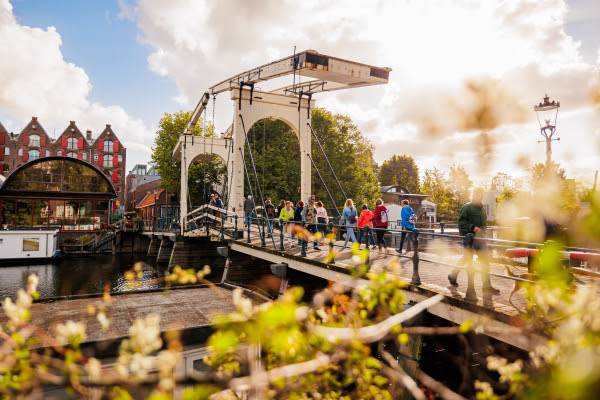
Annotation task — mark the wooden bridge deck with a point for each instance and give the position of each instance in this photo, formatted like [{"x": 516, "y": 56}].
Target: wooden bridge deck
[{"x": 433, "y": 272}]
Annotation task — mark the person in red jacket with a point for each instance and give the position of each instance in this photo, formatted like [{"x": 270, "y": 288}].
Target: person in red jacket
[
  {"x": 365, "y": 220},
  {"x": 381, "y": 223}
]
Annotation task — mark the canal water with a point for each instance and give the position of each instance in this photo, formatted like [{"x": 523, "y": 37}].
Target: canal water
[{"x": 78, "y": 275}]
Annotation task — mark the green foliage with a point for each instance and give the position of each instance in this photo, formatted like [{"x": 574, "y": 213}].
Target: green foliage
[
  {"x": 275, "y": 149},
  {"x": 351, "y": 155},
  {"x": 434, "y": 184},
  {"x": 400, "y": 170},
  {"x": 542, "y": 173},
  {"x": 202, "y": 178}
]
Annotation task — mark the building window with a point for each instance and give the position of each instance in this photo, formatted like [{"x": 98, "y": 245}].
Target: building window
[
  {"x": 108, "y": 160},
  {"x": 120, "y": 159},
  {"x": 95, "y": 156},
  {"x": 72, "y": 143},
  {"x": 20, "y": 152},
  {"x": 72, "y": 154},
  {"x": 108, "y": 146},
  {"x": 84, "y": 156},
  {"x": 34, "y": 141},
  {"x": 7, "y": 151},
  {"x": 34, "y": 154}
]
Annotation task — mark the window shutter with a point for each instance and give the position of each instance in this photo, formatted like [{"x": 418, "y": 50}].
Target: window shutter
[
  {"x": 25, "y": 156},
  {"x": 100, "y": 160},
  {"x": 63, "y": 153},
  {"x": 115, "y": 161},
  {"x": 116, "y": 146},
  {"x": 25, "y": 139},
  {"x": 115, "y": 177},
  {"x": 2, "y": 153},
  {"x": 1, "y": 138},
  {"x": 1, "y": 169},
  {"x": 80, "y": 156},
  {"x": 100, "y": 144},
  {"x": 43, "y": 141},
  {"x": 80, "y": 143},
  {"x": 64, "y": 143}
]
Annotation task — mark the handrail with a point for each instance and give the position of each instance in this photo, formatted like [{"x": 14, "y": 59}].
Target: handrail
[{"x": 413, "y": 237}]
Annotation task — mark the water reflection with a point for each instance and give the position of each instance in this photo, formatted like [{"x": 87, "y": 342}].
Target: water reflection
[{"x": 89, "y": 274}]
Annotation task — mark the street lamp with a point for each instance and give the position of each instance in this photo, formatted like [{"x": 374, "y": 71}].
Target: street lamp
[{"x": 546, "y": 113}]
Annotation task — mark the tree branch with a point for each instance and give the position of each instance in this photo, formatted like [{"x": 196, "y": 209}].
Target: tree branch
[
  {"x": 374, "y": 333},
  {"x": 397, "y": 373},
  {"x": 438, "y": 387}
]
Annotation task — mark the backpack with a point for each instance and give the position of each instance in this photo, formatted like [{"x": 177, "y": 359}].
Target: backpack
[
  {"x": 352, "y": 217},
  {"x": 383, "y": 217},
  {"x": 270, "y": 211},
  {"x": 412, "y": 219}
]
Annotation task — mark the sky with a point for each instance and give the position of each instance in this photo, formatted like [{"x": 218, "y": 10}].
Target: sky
[{"x": 127, "y": 62}]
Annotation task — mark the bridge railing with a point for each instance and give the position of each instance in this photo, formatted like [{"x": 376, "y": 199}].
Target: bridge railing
[{"x": 295, "y": 230}]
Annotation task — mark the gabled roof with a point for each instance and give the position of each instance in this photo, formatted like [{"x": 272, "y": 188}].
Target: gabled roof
[
  {"x": 71, "y": 128},
  {"x": 35, "y": 121},
  {"x": 149, "y": 199}
]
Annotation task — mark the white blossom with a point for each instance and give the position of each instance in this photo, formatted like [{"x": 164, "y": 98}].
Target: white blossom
[{"x": 70, "y": 329}]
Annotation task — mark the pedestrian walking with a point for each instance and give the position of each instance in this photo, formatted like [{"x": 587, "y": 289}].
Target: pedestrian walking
[
  {"x": 350, "y": 216},
  {"x": 381, "y": 223},
  {"x": 278, "y": 212},
  {"x": 298, "y": 216},
  {"x": 309, "y": 216},
  {"x": 248, "y": 211},
  {"x": 472, "y": 224},
  {"x": 270, "y": 213},
  {"x": 322, "y": 220},
  {"x": 287, "y": 214},
  {"x": 408, "y": 218},
  {"x": 219, "y": 205},
  {"x": 365, "y": 220}
]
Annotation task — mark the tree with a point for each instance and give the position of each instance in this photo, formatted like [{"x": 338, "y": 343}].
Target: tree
[
  {"x": 400, "y": 170},
  {"x": 542, "y": 173},
  {"x": 503, "y": 181},
  {"x": 350, "y": 154},
  {"x": 435, "y": 184},
  {"x": 459, "y": 185},
  {"x": 276, "y": 149},
  {"x": 202, "y": 179}
]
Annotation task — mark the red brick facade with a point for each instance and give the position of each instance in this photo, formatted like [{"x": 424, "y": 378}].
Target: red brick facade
[{"x": 106, "y": 151}]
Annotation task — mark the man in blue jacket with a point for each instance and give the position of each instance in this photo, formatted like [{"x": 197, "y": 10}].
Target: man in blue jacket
[
  {"x": 407, "y": 222},
  {"x": 472, "y": 222}
]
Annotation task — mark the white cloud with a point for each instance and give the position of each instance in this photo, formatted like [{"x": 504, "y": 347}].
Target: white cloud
[
  {"x": 434, "y": 48},
  {"x": 36, "y": 80}
]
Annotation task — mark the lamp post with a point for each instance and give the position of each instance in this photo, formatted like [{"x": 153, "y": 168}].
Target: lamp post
[{"x": 546, "y": 113}]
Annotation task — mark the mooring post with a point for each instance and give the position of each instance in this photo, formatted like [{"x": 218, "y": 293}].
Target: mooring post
[
  {"x": 442, "y": 223},
  {"x": 470, "y": 295},
  {"x": 249, "y": 223},
  {"x": 262, "y": 232},
  {"x": 235, "y": 231},
  {"x": 414, "y": 235},
  {"x": 222, "y": 226},
  {"x": 304, "y": 243},
  {"x": 281, "y": 225},
  {"x": 331, "y": 239}
]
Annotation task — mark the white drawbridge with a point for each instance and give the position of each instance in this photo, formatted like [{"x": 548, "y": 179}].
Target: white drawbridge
[{"x": 291, "y": 104}]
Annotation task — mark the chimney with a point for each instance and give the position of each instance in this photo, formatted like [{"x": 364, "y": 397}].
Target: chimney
[
  {"x": 88, "y": 134},
  {"x": 108, "y": 126},
  {"x": 72, "y": 122},
  {"x": 34, "y": 118}
]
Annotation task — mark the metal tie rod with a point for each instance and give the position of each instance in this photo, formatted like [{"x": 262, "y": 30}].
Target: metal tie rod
[{"x": 327, "y": 159}]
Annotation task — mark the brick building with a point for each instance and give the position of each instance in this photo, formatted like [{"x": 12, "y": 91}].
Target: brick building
[
  {"x": 33, "y": 142},
  {"x": 139, "y": 182}
]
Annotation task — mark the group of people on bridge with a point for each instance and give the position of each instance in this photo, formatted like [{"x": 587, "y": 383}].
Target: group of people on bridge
[{"x": 312, "y": 216}]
